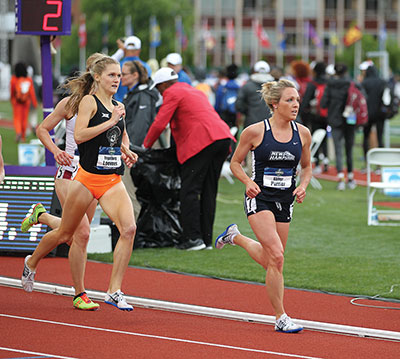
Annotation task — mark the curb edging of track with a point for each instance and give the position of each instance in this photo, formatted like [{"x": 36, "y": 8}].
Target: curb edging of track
[{"x": 209, "y": 311}]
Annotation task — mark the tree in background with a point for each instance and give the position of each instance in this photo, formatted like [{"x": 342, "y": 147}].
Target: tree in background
[{"x": 140, "y": 11}]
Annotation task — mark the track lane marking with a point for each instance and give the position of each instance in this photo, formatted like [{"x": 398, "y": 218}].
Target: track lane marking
[
  {"x": 188, "y": 341},
  {"x": 44, "y": 355}
]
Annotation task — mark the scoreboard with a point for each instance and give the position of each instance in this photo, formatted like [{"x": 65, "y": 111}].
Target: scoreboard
[
  {"x": 18, "y": 196},
  {"x": 43, "y": 17}
]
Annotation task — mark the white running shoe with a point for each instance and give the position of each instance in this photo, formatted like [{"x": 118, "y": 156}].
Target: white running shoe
[
  {"x": 226, "y": 237},
  {"x": 341, "y": 186},
  {"x": 286, "y": 325},
  {"x": 351, "y": 184},
  {"x": 28, "y": 277},
  {"x": 118, "y": 300}
]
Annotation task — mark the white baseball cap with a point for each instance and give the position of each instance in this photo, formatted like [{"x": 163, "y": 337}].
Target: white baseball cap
[
  {"x": 330, "y": 69},
  {"x": 163, "y": 75},
  {"x": 132, "y": 43},
  {"x": 261, "y": 67},
  {"x": 364, "y": 65},
  {"x": 174, "y": 59}
]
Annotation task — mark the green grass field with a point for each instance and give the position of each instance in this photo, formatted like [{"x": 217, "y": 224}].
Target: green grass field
[
  {"x": 330, "y": 246},
  {"x": 10, "y": 148}
]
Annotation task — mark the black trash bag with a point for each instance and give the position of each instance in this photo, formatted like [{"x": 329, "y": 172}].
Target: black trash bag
[{"x": 156, "y": 177}]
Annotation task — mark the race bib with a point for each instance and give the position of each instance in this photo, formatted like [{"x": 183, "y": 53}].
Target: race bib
[
  {"x": 109, "y": 158},
  {"x": 278, "y": 177}
]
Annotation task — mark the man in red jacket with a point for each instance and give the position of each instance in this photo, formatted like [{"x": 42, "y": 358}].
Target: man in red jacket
[{"x": 202, "y": 144}]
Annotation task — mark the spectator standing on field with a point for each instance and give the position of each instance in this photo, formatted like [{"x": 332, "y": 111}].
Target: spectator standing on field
[
  {"x": 335, "y": 98},
  {"x": 174, "y": 61},
  {"x": 301, "y": 73},
  {"x": 312, "y": 114},
  {"x": 22, "y": 95},
  {"x": 140, "y": 106},
  {"x": 226, "y": 96},
  {"x": 202, "y": 85},
  {"x": 374, "y": 87},
  {"x": 132, "y": 48},
  {"x": 249, "y": 101},
  {"x": 202, "y": 145}
]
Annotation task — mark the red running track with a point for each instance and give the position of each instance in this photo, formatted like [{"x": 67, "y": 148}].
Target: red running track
[{"x": 44, "y": 325}]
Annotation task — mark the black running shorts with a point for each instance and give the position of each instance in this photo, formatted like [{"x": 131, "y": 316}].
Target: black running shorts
[{"x": 282, "y": 211}]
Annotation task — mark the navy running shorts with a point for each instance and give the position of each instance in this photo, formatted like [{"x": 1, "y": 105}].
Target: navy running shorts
[{"x": 282, "y": 211}]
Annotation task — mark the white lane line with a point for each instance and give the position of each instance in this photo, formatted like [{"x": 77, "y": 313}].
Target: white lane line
[
  {"x": 210, "y": 311},
  {"x": 157, "y": 337},
  {"x": 34, "y": 353}
]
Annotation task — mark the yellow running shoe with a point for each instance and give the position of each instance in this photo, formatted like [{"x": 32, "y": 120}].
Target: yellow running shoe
[
  {"x": 33, "y": 219},
  {"x": 83, "y": 302}
]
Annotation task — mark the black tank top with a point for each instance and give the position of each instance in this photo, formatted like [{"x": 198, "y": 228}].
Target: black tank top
[
  {"x": 274, "y": 165},
  {"x": 102, "y": 154}
]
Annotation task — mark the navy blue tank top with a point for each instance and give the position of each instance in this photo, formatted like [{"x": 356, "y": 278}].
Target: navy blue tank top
[
  {"x": 274, "y": 165},
  {"x": 102, "y": 154}
]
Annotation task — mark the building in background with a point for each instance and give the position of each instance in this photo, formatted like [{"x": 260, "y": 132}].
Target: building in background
[{"x": 310, "y": 29}]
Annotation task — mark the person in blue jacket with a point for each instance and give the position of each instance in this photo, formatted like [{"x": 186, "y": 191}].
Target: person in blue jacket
[
  {"x": 174, "y": 61},
  {"x": 226, "y": 96}
]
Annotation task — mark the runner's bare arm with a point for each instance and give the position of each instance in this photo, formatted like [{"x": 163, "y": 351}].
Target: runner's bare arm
[
  {"x": 305, "y": 163},
  {"x": 48, "y": 124},
  {"x": 128, "y": 156},
  {"x": 248, "y": 139}
]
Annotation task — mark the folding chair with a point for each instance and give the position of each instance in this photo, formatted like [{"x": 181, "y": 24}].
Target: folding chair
[
  {"x": 316, "y": 140},
  {"x": 386, "y": 158}
]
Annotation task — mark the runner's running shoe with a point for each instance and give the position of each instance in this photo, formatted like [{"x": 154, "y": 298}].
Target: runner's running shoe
[
  {"x": 28, "y": 277},
  {"x": 286, "y": 325},
  {"x": 226, "y": 237},
  {"x": 31, "y": 220},
  {"x": 83, "y": 302},
  {"x": 118, "y": 300}
]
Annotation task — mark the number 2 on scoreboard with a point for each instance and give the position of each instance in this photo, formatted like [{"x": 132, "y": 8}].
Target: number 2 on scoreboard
[{"x": 55, "y": 15}]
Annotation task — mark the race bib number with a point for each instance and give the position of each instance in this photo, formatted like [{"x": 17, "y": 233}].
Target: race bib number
[
  {"x": 109, "y": 158},
  {"x": 278, "y": 177}
]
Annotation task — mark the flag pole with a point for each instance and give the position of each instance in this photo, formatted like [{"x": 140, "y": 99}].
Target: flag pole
[
  {"x": 306, "y": 45},
  {"x": 254, "y": 48},
  {"x": 105, "y": 34},
  {"x": 332, "y": 45},
  {"x": 128, "y": 26},
  {"x": 178, "y": 34},
  {"x": 358, "y": 47},
  {"x": 279, "y": 29},
  {"x": 151, "y": 48},
  {"x": 82, "y": 43}
]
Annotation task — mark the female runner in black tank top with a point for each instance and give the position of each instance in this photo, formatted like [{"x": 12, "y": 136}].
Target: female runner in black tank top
[
  {"x": 113, "y": 144},
  {"x": 278, "y": 145}
]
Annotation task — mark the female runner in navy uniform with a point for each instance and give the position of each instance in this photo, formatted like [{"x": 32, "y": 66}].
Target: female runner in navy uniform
[
  {"x": 277, "y": 146},
  {"x": 103, "y": 144}
]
